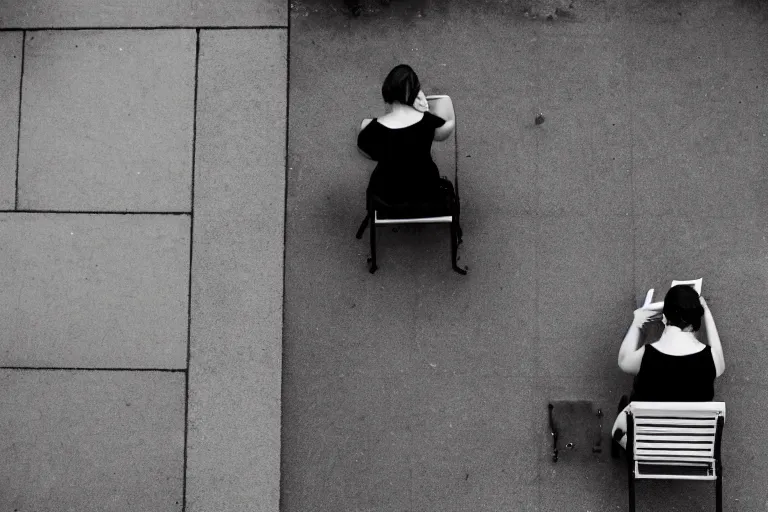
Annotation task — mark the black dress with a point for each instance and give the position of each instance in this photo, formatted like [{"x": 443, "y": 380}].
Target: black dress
[
  {"x": 666, "y": 378},
  {"x": 405, "y": 172}
]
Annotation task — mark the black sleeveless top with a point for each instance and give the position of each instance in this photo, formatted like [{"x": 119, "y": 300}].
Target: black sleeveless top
[
  {"x": 666, "y": 378},
  {"x": 405, "y": 169}
]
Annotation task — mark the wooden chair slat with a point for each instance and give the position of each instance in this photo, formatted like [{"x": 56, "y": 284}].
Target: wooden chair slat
[
  {"x": 687, "y": 422},
  {"x": 709, "y": 431},
  {"x": 698, "y": 447},
  {"x": 680, "y": 438}
]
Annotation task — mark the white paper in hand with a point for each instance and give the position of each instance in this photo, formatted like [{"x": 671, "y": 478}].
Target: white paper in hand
[{"x": 694, "y": 283}]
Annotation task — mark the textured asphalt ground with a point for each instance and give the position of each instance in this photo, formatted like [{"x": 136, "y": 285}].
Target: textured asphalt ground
[{"x": 419, "y": 389}]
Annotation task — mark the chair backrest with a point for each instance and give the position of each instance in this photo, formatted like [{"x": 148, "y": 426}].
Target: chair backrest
[{"x": 676, "y": 431}]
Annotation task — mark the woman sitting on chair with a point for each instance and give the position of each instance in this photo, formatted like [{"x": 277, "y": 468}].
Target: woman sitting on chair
[
  {"x": 401, "y": 141},
  {"x": 677, "y": 367}
]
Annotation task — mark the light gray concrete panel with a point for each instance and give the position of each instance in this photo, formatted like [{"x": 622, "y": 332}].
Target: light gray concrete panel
[
  {"x": 107, "y": 120},
  {"x": 10, "y": 80},
  {"x": 124, "y": 13},
  {"x": 91, "y": 441},
  {"x": 237, "y": 291},
  {"x": 94, "y": 290}
]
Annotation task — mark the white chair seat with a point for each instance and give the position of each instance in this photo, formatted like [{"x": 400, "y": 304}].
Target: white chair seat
[{"x": 417, "y": 220}]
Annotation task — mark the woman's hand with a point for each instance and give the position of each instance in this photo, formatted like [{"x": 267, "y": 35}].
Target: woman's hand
[
  {"x": 643, "y": 316},
  {"x": 421, "y": 104}
]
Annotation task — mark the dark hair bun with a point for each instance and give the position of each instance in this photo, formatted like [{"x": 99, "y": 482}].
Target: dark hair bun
[
  {"x": 682, "y": 307},
  {"x": 401, "y": 85}
]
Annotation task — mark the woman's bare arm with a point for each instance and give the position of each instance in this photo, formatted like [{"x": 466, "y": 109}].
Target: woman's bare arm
[
  {"x": 713, "y": 339},
  {"x": 631, "y": 351},
  {"x": 441, "y": 106},
  {"x": 365, "y": 123}
]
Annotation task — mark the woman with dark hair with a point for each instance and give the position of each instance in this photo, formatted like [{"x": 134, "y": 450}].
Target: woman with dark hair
[
  {"x": 401, "y": 141},
  {"x": 677, "y": 367}
]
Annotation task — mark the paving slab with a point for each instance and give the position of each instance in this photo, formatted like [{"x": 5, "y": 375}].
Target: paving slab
[
  {"x": 697, "y": 94},
  {"x": 584, "y": 150},
  {"x": 744, "y": 459},
  {"x": 107, "y": 120},
  {"x": 10, "y": 82},
  {"x": 361, "y": 435},
  {"x": 472, "y": 441},
  {"x": 122, "y": 13},
  {"x": 233, "y": 457},
  {"x": 94, "y": 291},
  {"x": 483, "y": 323},
  {"x": 91, "y": 441}
]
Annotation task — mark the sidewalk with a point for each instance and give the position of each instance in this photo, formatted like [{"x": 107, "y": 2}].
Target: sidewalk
[{"x": 141, "y": 236}]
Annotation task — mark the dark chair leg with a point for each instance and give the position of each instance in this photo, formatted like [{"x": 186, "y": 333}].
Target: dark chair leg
[
  {"x": 373, "y": 243},
  {"x": 719, "y": 464},
  {"x": 719, "y": 488},
  {"x": 455, "y": 249},
  {"x": 630, "y": 462},
  {"x": 361, "y": 230},
  {"x": 457, "y": 215}
]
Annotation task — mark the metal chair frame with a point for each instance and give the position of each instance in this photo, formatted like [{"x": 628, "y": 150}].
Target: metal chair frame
[{"x": 373, "y": 206}]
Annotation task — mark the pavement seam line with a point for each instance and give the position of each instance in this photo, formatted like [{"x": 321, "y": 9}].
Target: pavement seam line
[
  {"x": 158, "y": 27},
  {"x": 189, "y": 290},
  {"x": 18, "y": 125},
  {"x": 96, "y": 369},
  {"x": 94, "y": 212},
  {"x": 285, "y": 241}
]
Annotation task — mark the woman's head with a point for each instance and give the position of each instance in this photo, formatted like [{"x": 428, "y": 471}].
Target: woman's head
[
  {"x": 682, "y": 307},
  {"x": 401, "y": 85}
]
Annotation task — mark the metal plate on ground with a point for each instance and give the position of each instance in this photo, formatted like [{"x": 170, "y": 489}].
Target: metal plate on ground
[{"x": 576, "y": 427}]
